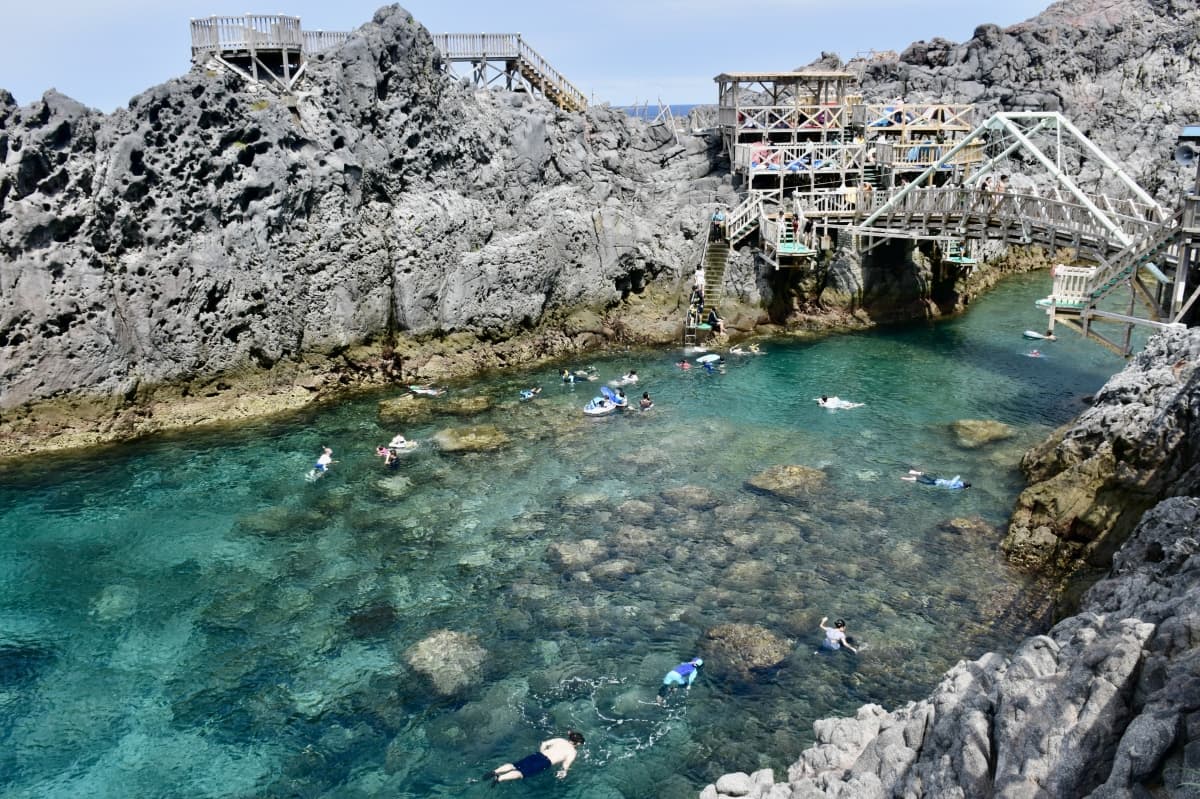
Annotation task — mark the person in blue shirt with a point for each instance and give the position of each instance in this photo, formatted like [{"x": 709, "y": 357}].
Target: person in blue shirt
[
  {"x": 953, "y": 483},
  {"x": 684, "y": 674}
]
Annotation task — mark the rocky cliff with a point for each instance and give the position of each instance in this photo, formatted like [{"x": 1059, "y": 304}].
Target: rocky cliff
[
  {"x": 215, "y": 229},
  {"x": 1124, "y": 71},
  {"x": 1107, "y": 703}
]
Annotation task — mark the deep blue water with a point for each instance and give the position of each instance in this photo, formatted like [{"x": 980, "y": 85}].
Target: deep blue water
[{"x": 186, "y": 615}]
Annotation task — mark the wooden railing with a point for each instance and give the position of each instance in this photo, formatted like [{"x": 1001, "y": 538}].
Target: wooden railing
[
  {"x": 919, "y": 155},
  {"x": 320, "y": 41},
  {"x": 742, "y": 220},
  {"x": 1072, "y": 283},
  {"x": 923, "y": 117},
  {"x": 511, "y": 47},
  {"x": 784, "y": 117},
  {"x": 800, "y": 157},
  {"x": 246, "y": 33},
  {"x": 1018, "y": 216}
]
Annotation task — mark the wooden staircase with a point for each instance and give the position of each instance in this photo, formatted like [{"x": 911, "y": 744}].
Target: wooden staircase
[
  {"x": 509, "y": 56},
  {"x": 714, "y": 260}
]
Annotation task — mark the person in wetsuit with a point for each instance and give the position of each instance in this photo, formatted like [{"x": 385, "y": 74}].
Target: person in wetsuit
[
  {"x": 953, "y": 483},
  {"x": 684, "y": 674}
]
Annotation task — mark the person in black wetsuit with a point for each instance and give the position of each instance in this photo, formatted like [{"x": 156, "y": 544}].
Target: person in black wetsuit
[{"x": 553, "y": 752}]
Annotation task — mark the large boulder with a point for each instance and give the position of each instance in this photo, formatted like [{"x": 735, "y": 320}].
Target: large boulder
[
  {"x": 789, "y": 481},
  {"x": 475, "y": 438},
  {"x": 450, "y": 660},
  {"x": 975, "y": 433},
  {"x": 740, "y": 649}
]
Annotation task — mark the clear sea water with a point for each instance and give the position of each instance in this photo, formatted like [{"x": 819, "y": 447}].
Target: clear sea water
[{"x": 187, "y": 616}]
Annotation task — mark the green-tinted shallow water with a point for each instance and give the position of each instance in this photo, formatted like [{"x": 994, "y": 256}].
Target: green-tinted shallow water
[{"x": 188, "y": 617}]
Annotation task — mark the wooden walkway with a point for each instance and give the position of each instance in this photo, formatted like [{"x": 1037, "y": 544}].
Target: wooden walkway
[{"x": 508, "y": 56}]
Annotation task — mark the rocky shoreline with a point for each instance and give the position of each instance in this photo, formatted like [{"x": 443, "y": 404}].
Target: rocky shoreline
[
  {"x": 215, "y": 252},
  {"x": 1107, "y": 703}
]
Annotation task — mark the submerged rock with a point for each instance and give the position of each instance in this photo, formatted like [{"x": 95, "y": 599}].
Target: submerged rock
[
  {"x": 739, "y": 649},
  {"x": 690, "y": 497},
  {"x": 465, "y": 406},
  {"x": 975, "y": 433},
  {"x": 789, "y": 482},
  {"x": 571, "y": 556},
  {"x": 477, "y": 438},
  {"x": 406, "y": 408},
  {"x": 451, "y": 660}
]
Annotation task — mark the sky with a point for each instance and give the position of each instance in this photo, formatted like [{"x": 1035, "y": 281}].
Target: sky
[{"x": 103, "y": 52}]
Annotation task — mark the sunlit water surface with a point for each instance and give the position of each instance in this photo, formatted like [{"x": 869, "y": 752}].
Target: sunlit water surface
[{"x": 188, "y": 616}]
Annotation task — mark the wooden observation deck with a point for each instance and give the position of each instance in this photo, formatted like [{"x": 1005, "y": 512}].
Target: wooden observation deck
[
  {"x": 508, "y": 57},
  {"x": 267, "y": 48},
  {"x": 816, "y": 160}
]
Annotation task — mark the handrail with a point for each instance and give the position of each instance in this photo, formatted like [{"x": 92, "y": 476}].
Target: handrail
[
  {"x": 1071, "y": 283},
  {"x": 748, "y": 213},
  {"x": 957, "y": 206},
  {"x": 1128, "y": 260},
  {"x": 510, "y": 46},
  {"x": 320, "y": 41},
  {"x": 926, "y": 153},
  {"x": 800, "y": 157},
  {"x": 248, "y": 32},
  {"x": 924, "y": 117}
]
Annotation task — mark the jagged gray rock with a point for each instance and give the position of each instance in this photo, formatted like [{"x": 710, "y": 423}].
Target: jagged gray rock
[{"x": 213, "y": 226}]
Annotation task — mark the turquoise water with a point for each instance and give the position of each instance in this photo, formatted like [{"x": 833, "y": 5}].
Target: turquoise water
[{"x": 188, "y": 616}]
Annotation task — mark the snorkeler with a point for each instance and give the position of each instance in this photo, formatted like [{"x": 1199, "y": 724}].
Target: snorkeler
[
  {"x": 684, "y": 674},
  {"x": 552, "y": 752},
  {"x": 953, "y": 483}
]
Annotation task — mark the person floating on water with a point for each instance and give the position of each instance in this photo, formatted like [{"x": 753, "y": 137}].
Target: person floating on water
[
  {"x": 1034, "y": 353},
  {"x": 684, "y": 364},
  {"x": 684, "y": 674},
  {"x": 567, "y": 377},
  {"x": 324, "y": 461},
  {"x": 954, "y": 483},
  {"x": 645, "y": 403},
  {"x": 621, "y": 401},
  {"x": 835, "y": 637},
  {"x": 836, "y": 403},
  {"x": 629, "y": 377},
  {"x": 552, "y": 752},
  {"x": 530, "y": 393}
]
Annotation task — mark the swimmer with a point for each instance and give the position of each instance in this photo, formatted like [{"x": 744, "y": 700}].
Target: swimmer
[
  {"x": 530, "y": 393},
  {"x": 954, "y": 483},
  {"x": 684, "y": 674},
  {"x": 553, "y": 752},
  {"x": 1034, "y": 354},
  {"x": 429, "y": 391},
  {"x": 645, "y": 403},
  {"x": 567, "y": 377},
  {"x": 324, "y": 461},
  {"x": 398, "y": 442},
  {"x": 836, "y": 403},
  {"x": 629, "y": 377},
  {"x": 389, "y": 457},
  {"x": 684, "y": 364},
  {"x": 835, "y": 636}
]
